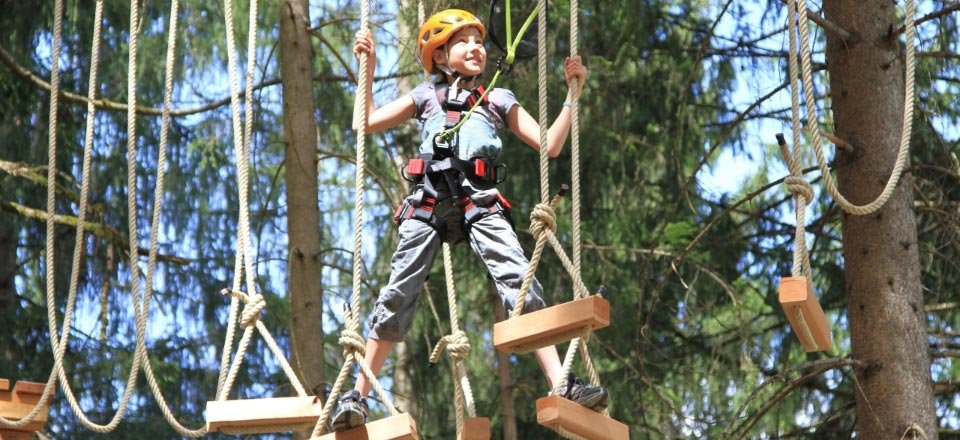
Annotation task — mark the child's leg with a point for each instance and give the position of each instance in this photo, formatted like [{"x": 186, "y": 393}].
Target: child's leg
[
  {"x": 493, "y": 240},
  {"x": 378, "y": 350},
  {"x": 550, "y": 363}
]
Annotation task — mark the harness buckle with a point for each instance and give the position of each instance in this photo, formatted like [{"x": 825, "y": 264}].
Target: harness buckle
[{"x": 443, "y": 149}]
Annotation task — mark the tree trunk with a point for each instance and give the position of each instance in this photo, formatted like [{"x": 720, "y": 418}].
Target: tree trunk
[
  {"x": 885, "y": 301},
  {"x": 506, "y": 384},
  {"x": 303, "y": 214}
]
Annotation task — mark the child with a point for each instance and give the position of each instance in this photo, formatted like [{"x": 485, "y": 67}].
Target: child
[{"x": 455, "y": 197}]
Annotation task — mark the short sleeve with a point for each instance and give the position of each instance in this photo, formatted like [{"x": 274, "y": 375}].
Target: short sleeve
[
  {"x": 503, "y": 100},
  {"x": 422, "y": 95}
]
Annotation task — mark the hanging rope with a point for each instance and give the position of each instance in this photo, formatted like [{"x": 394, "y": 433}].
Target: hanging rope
[
  {"x": 575, "y": 138},
  {"x": 253, "y": 301},
  {"x": 903, "y": 152},
  {"x": 51, "y": 222},
  {"x": 457, "y": 346},
  {"x": 350, "y": 339}
]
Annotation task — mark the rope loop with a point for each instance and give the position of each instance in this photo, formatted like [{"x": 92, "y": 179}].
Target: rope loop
[
  {"x": 542, "y": 218},
  {"x": 456, "y": 344},
  {"x": 351, "y": 341},
  {"x": 799, "y": 187}
]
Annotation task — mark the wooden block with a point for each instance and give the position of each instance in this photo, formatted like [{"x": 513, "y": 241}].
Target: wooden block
[
  {"x": 476, "y": 428},
  {"x": 805, "y": 314},
  {"x": 246, "y": 413},
  {"x": 6, "y": 434},
  {"x": 556, "y": 412},
  {"x": 4, "y": 384},
  {"x": 542, "y": 328},
  {"x": 23, "y": 387},
  {"x": 16, "y": 404},
  {"x": 398, "y": 427}
]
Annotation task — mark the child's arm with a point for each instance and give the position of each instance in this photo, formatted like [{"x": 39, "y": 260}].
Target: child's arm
[
  {"x": 528, "y": 129},
  {"x": 391, "y": 114}
]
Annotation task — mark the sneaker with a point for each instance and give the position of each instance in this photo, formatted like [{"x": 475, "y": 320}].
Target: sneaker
[
  {"x": 587, "y": 395},
  {"x": 351, "y": 412}
]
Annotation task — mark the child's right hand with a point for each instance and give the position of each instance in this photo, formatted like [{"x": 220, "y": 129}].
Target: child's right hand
[{"x": 364, "y": 44}]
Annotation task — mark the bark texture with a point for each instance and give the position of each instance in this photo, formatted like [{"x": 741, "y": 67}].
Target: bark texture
[
  {"x": 882, "y": 283},
  {"x": 303, "y": 214}
]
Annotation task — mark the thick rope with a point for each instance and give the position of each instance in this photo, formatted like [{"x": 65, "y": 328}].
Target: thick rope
[
  {"x": 457, "y": 346},
  {"x": 350, "y": 337},
  {"x": 134, "y": 268},
  {"x": 796, "y": 184},
  {"x": 903, "y": 153},
  {"x": 575, "y": 139},
  {"x": 254, "y": 302},
  {"x": 50, "y": 225},
  {"x": 542, "y": 95}
]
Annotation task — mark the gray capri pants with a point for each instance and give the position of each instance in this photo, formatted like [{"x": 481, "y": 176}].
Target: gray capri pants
[{"x": 492, "y": 238}]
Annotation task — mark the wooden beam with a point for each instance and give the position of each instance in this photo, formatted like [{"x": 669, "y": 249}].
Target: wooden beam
[
  {"x": 398, "y": 427},
  {"x": 550, "y": 326},
  {"x": 555, "y": 412},
  {"x": 17, "y": 404},
  {"x": 280, "y": 412},
  {"x": 476, "y": 428},
  {"x": 800, "y": 304}
]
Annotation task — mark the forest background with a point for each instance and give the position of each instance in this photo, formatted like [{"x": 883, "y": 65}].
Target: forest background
[{"x": 686, "y": 222}]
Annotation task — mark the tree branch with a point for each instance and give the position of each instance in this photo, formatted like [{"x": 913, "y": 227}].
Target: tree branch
[
  {"x": 826, "y": 24},
  {"x": 97, "y": 229},
  {"x": 930, "y": 16},
  {"x": 105, "y": 104}
]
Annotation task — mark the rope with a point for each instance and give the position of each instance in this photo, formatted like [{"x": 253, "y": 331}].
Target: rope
[
  {"x": 575, "y": 138},
  {"x": 542, "y": 95},
  {"x": 51, "y": 222},
  {"x": 253, "y": 301},
  {"x": 903, "y": 152},
  {"x": 350, "y": 337}
]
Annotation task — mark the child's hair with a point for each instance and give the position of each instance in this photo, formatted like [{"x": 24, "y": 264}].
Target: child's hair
[{"x": 437, "y": 30}]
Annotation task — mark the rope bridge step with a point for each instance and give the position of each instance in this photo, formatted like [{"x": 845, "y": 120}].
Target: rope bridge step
[
  {"x": 555, "y": 413},
  {"x": 800, "y": 304},
  {"x": 476, "y": 428},
  {"x": 276, "y": 414},
  {"x": 16, "y": 404},
  {"x": 398, "y": 427},
  {"x": 534, "y": 330}
]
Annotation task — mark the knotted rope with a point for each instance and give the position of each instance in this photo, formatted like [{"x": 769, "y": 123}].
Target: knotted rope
[{"x": 350, "y": 339}]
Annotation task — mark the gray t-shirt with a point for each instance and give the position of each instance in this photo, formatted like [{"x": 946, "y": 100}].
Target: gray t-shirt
[{"x": 479, "y": 135}]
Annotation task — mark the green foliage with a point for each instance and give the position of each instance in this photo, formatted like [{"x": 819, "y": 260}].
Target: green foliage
[{"x": 698, "y": 346}]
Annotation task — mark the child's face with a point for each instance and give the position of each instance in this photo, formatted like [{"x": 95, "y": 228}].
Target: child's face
[{"x": 465, "y": 52}]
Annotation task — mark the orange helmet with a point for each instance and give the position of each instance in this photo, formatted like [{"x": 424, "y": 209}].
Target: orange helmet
[{"x": 439, "y": 28}]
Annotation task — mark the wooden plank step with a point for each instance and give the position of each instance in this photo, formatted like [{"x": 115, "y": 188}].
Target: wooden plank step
[
  {"x": 542, "y": 328},
  {"x": 556, "y": 412},
  {"x": 476, "y": 428},
  {"x": 6, "y": 434},
  {"x": 16, "y": 404},
  {"x": 262, "y": 413},
  {"x": 800, "y": 304},
  {"x": 398, "y": 427}
]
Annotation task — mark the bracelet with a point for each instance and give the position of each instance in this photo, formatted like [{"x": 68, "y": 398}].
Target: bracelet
[{"x": 568, "y": 104}]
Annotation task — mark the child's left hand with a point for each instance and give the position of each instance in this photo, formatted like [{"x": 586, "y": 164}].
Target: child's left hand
[{"x": 573, "y": 68}]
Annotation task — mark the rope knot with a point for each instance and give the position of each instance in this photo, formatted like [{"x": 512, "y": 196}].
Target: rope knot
[
  {"x": 252, "y": 306},
  {"x": 352, "y": 341},
  {"x": 541, "y": 219},
  {"x": 457, "y": 346},
  {"x": 800, "y": 188}
]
